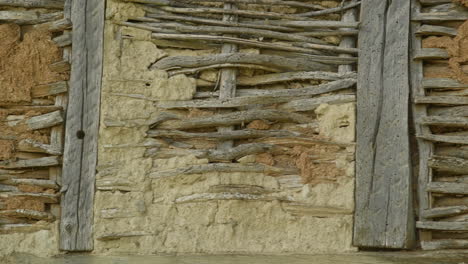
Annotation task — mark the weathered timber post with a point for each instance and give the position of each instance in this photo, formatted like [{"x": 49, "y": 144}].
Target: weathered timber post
[
  {"x": 384, "y": 211},
  {"x": 80, "y": 154}
]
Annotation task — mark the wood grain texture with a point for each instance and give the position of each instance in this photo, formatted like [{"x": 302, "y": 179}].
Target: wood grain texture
[
  {"x": 56, "y": 4},
  {"x": 383, "y": 217},
  {"x": 80, "y": 154}
]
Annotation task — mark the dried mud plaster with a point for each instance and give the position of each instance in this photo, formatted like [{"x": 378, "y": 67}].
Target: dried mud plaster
[
  {"x": 457, "y": 48},
  {"x": 25, "y": 62},
  {"x": 461, "y": 2}
]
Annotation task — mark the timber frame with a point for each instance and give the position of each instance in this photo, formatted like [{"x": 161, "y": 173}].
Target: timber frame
[{"x": 82, "y": 123}]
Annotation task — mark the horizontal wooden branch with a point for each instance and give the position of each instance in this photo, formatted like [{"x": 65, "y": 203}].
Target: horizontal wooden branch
[
  {"x": 60, "y": 25},
  {"x": 430, "y": 30},
  {"x": 240, "y": 13},
  {"x": 49, "y": 184},
  {"x": 444, "y": 121},
  {"x": 44, "y": 197},
  {"x": 445, "y": 211},
  {"x": 44, "y": 121},
  {"x": 239, "y": 41},
  {"x": 63, "y": 40},
  {"x": 227, "y": 135},
  {"x": 31, "y": 163},
  {"x": 221, "y": 167},
  {"x": 448, "y": 187},
  {"x": 117, "y": 236},
  {"x": 30, "y": 214},
  {"x": 431, "y": 54},
  {"x": 451, "y": 164},
  {"x": 312, "y": 103},
  {"x": 293, "y": 76},
  {"x": 235, "y": 118},
  {"x": 442, "y": 226},
  {"x": 330, "y": 10},
  {"x": 49, "y": 89},
  {"x": 279, "y": 62},
  {"x": 224, "y": 30},
  {"x": 256, "y": 2},
  {"x": 205, "y": 197},
  {"x": 311, "y": 24},
  {"x": 60, "y": 66},
  {"x": 29, "y": 145},
  {"x": 28, "y": 17},
  {"x": 440, "y": 244},
  {"x": 303, "y": 141},
  {"x": 301, "y": 209},
  {"x": 445, "y": 139},
  {"x": 204, "y": 21},
  {"x": 273, "y": 96},
  {"x": 53, "y": 4},
  {"x": 433, "y": 2},
  {"x": 223, "y": 65},
  {"x": 442, "y": 83},
  {"x": 457, "y": 111},
  {"x": 442, "y": 100},
  {"x": 441, "y": 17}
]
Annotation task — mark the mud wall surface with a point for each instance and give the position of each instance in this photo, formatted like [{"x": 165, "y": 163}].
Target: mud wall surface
[
  {"x": 33, "y": 85},
  {"x": 161, "y": 194}
]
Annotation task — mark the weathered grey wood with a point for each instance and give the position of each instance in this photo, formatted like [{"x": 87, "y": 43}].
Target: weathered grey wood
[
  {"x": 430, "y": 30},
  {"x": 33, "y": 182},
  {"x": 278, "y": 62},
  {"x": 205, "y": 197},
  {"x": 293, "y": 76},
  {"x": 239, "y": 117},
  {"x": 220, "y": 167},
  {"x": 60, "y": 25},
  {"x": 431, "y": 54},
  {"x": 265, "y": 2},
  {"x": 28, "y": 17},
  {"x": 44, "y": 121},
  {"x": 441, "y": 83},
  {"x": 197, "y": 20},
  {"x": 60, "y": 66},
  {"x": 443, "y": 226},
  {"x": 444, "y": 121},
  {"x": 178, "y": 27},
  {"x": 453, "y": 151},
  {"x": 383, "y": 214},
  {"x": 53, "y": 4},
  {"x": 49, "y": 89},
  {"x": 29, "y": 145},
  {"x": 444, "y": 138},
  {"x": 331, "y": 10},
  {"x": 31, "y": 163},
  {"x": 348, "y": 42},
  {"x": 44, "y": 197},
  {"x": 433, "y": 2},
  {"x": 441, "y": 244},
  {"x": 63, "y": 40},
  {"x": 442, "y": 16},
  {"x": 442, "y": 100},
  {"x": 461, "y": 111},
  {"x": 312, "y": 103},
  {"x": 448, "y": 188},
  {"x": 278, "y": 96},
  {"x": 117, "y": 236},
  {"x": 312, "y": 24},
  {"x": 445, "y": 211},
  {"x": 237, "y": 134},
  {"x": 80, "y": 154},
  {"x": 228, "y": 76},
  {"x": 30, "y": 214}
]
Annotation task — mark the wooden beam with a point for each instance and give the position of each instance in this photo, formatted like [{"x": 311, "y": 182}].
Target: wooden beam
[
  {"x": 442, "y": 226},
  {"x": 384, "y": 215},
  {"x": 80, "y": 154},
  {"x": 441, "y": 244},
  {"x": 430, "y": 30},
  {"x": 53, "y": 4},
  {"x": 49, "y": 89},
  {"x": 441, "y": 83},
  {"x": 448, "y": 188}
]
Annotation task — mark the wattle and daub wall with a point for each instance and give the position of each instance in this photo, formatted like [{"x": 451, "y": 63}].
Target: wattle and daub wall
[
  {"x": 164, "y": 184},
  {"x": 185, "y": 165}
]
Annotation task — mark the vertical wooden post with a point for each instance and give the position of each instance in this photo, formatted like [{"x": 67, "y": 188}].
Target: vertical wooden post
[
  {"x": 228, "y": 76},
  {"x": 80, "y": 154},
  {"x": 425, "y": 148},
  {"x": 384, "y": 214}
]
